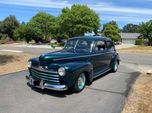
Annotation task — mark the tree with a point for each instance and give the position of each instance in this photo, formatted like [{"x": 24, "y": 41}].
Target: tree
[
  {"x": 130, "y": 28},
  {"x": 111, "y": 23},
  {"x": 112, "y": 32},
  {"x": 44, "y": 23},
  {"x": 78, "y": 20},
  {"x": 0, "y": 30},
  {"x": 58, "y": 32},
  {"x": 145, "y": 30},
  {"x": 27, "y": 33},
  {"x": 9, "y": 24},
  {"x": 0, "y": 26}
]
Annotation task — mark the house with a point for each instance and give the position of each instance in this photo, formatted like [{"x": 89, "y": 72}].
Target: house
[{"x": 129, "y": 38}]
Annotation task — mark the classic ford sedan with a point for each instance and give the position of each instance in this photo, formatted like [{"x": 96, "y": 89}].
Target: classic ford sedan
[{"x": 76, "y": 65}]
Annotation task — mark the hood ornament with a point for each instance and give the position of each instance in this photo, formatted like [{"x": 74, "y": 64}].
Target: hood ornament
[{"x": 43, "y": 67}]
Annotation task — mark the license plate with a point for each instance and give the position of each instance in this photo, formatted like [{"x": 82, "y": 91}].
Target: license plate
[
  {"x": 31, "y": 81},
  {"x": 42, "y": 84}
]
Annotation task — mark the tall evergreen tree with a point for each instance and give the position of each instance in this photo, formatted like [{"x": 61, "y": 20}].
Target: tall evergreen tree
[{"x": 9, "y": 24}]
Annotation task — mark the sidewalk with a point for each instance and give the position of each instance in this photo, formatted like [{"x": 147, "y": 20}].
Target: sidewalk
[
  {"x": 30, "y": 46},
  {"x": 124, "y": 46},
  {"x": 38, "y": 46}
]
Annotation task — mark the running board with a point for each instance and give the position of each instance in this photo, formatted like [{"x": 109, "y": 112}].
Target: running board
[{"x": 102, "y": 73}]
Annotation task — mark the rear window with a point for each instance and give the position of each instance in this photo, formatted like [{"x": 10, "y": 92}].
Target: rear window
[{"x": 99, "y": 46}]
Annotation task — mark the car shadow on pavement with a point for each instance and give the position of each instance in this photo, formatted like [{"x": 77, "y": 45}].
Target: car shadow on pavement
[
  {"x": 130, "y": 81},
  {"x": 61, "y": 94}
]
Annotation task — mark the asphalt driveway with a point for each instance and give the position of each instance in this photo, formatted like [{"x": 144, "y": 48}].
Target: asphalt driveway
[{"x": 106, "y": 95}]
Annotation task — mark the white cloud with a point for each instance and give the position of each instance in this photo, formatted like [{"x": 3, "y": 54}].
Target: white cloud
[
  {"x": 112, "y": 8},
  {"x": 38, "y": 3},
  {"x": 99, "y": 6},
  {"x": 128, "y": 19}
]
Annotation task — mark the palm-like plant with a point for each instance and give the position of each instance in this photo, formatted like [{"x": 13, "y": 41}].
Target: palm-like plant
[{"x": 145, "y": 30}]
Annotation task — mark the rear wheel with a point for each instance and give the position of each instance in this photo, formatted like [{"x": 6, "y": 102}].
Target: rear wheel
[
  {"x": 115, "y": 66},
  {"x": 80, "y": 83}
]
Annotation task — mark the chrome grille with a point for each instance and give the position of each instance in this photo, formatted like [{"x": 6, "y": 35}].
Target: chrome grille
[{"x": 45, "y": 76}]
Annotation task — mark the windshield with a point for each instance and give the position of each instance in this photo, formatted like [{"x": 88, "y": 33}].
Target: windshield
[{"x": 78, "y": 45}]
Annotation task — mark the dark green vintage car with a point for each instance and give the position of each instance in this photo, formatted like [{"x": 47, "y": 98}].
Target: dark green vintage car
[{"x": 76, "y": 65}]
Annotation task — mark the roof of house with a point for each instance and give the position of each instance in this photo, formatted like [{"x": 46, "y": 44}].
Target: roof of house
[{"x": 129, "y": 35}]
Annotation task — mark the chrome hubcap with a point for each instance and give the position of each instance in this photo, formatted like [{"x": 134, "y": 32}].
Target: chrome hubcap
[
  {"x": 81, "y": 81},
  {"x": 116, "y": 66}
]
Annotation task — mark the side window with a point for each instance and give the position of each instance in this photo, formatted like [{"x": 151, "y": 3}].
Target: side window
[
  {"x": 100, "y": 46},
  {"x": 84, "y": 45},
  {"x": 110, "y": 45}
]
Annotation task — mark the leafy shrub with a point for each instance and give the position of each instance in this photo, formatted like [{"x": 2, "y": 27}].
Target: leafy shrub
[
  {"x": 112, "y": 32},
  {"x": 139, "y": 42}
]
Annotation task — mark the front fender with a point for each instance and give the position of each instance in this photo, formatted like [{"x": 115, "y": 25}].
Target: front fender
[
  {"x": 74, "y": 69},
  {"x": 35, "y": 61}
]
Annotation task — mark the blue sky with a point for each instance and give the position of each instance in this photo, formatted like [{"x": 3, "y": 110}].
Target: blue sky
[{"x": 128, "y": 11}]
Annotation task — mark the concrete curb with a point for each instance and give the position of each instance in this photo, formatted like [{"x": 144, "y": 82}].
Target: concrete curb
[{"x": 38, "y": 46}]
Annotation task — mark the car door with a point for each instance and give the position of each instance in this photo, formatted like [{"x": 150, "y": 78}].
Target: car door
[
  {"x": 110, "y": 51},
  {"x": 99, "y": 57}
]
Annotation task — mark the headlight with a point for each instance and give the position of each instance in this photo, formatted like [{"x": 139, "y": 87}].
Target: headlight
[
  {"x": 29, "y": 64},
  {"x": 61, "y": 71}
]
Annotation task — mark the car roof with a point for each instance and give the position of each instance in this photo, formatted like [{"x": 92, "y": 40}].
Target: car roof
[{"x": 92, "y": 38}]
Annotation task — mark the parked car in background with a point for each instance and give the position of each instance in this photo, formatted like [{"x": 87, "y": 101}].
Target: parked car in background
[{"x": 81, "y": 60}]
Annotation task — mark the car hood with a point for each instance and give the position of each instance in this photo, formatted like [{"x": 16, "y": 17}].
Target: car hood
[{"x": 60, "y": 55}]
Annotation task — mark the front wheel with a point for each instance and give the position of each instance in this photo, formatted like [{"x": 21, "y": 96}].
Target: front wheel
[
  {"x": 80, "y": 83},
  {"x": 115, "y": 66}
]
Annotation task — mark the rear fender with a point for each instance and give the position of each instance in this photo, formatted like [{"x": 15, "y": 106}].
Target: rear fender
[{"x": 115, "y": 57}]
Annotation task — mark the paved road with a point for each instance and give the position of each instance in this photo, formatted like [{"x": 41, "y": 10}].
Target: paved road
[
  {"x": 107, "y": 94},
  {"x": 136, "y": 58}
]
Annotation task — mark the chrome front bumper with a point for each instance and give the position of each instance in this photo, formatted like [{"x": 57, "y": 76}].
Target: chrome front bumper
[{"x": 44, "y": 85}]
